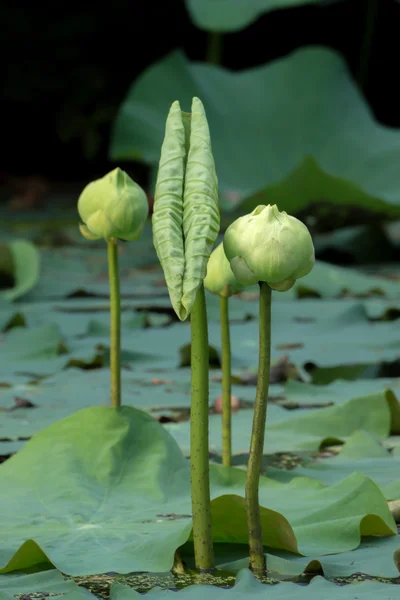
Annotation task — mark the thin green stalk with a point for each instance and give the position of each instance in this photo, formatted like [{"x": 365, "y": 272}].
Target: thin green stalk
[
  {"x": 256, "y": 550},
  {"x": 199, "y": 465},
  {"x": 214, "y": 48},
  {"x": 115, "y": 322},
  {"x": 226, "y": 381},
  {"x": 371, "y": 11}
]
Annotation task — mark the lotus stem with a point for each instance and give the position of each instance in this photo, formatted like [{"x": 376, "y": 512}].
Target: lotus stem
[
  {"x": 371, "y": 12},
  {"x": 226, "y": 382},
  {"x": 115, "y": 322},
  {"x": 214, "y": 48},
  {"x": 256, "y": 550},
  {"x": 199, "y": 462}
]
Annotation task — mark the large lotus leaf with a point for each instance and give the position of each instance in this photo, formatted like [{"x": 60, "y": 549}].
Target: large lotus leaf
[
  {"x": 319, "y": 515},
  {"x": 56, "y": 397},
  {"x": 298, "y": 329},
  {"x": 350, "y": 343},
  {"x": 152, "y": 379},
  {"x": 68, "y": 271},
  {"x": 278, "y": 135},
  {"x": 330, "y": 280},
  {"x": 77, "y": 388},
  {"x": 374, "y": 556},
  {"x": 83, "y": 269},
  {"x": 119, "y": 500},
  {"x": 298, "y": 431},
  {"x": 41, "y": 585},
  {"x": 186, "y": 213},
  {"x": 247, "y": 587},
  {"x": 8, "y": 448},
  {"x": 112, "y": 473},
  {"x": 363, "y": 454},
  {"x": 25, "y": 260},
  {"x": 27, "y": 344},
  {"x": 232, "y": 15},
  {"x": 340, "y": 392},
  {"x": 357, "y": 245}
]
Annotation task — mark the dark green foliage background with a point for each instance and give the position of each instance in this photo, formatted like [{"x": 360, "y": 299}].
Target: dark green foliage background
[{"x": 66, "y": 69}]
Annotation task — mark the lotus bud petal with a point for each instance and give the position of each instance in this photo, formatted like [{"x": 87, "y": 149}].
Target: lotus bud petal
[
  {"x": 271, "y": 246},
  {"x": 113, "y": 207}
]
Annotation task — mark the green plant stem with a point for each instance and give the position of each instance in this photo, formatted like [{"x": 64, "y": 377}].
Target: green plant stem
[
  {"x": 371, "y": 11},
  {"x": 256, "y": 550},
  {"x": 226, "y": 382},
  {"x": 214, "y": 48},
  {"x": 115, "y": 322},
  {"x": 199, "y": 464}
]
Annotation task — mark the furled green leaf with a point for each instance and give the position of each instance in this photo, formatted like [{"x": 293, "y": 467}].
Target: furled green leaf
[
  {"x": 186, "y": 213},
  {"x": 278, "y": 135},
  {"x": 168, "y": 205},
  {"x": 26, "y": 266},
  {"x": 232, "y": 15}
]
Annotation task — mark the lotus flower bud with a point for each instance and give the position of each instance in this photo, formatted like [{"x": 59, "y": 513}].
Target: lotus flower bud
[
  {"x": 220, "y": 278},
  {"x": 113, "y": 207},
  {"x": 271, "y": 246}
]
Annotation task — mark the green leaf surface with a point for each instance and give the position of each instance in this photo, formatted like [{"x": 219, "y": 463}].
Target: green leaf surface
[
  {"x": 119, "y": 500},
  {"x": 26, "y": 268},
  {"x": 46, "y": 583},
  {"x": 9, "y": 448},
  {"x": 330, "y": 281},
  {"x": 362, "y": 454},
  {"x": 340, "y": 392},
  {"x": 374, "y": 556},
  {"x": 27, "y": 344},
  {"x": 325, "y": 146},
  {"x": 247, "y": 586},
  {"x": 290, "y": 431},
  {"x": 86, "y": 517},
  {"x": 233, "y": 15},
  {"x": 152, "y": 380},
  {"x": 63, "y": 394},
  {"x": 308, "y": 507},
  {"x": 66, "y": 272}
]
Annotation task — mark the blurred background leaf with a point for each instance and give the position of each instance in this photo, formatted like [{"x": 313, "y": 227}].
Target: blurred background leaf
[
  {"x": 297, "y": 129},
  {"x": 231, "y": 15},
  {"x": 19, "y": 268}
]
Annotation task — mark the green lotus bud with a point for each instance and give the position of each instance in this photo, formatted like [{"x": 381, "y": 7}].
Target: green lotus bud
[
  {"x": 113, "y": 207},
  {"x": 220, "y": 278},
  {"x": 271, "y": 246}
]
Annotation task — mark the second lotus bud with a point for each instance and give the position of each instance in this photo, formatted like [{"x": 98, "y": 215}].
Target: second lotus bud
[
  {"x": 220, "y": 279},
  {"x": 113, "y": 207}
]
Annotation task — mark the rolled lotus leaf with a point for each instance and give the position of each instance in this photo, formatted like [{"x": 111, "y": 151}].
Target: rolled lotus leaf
[{"x": 186, "y": 213}]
